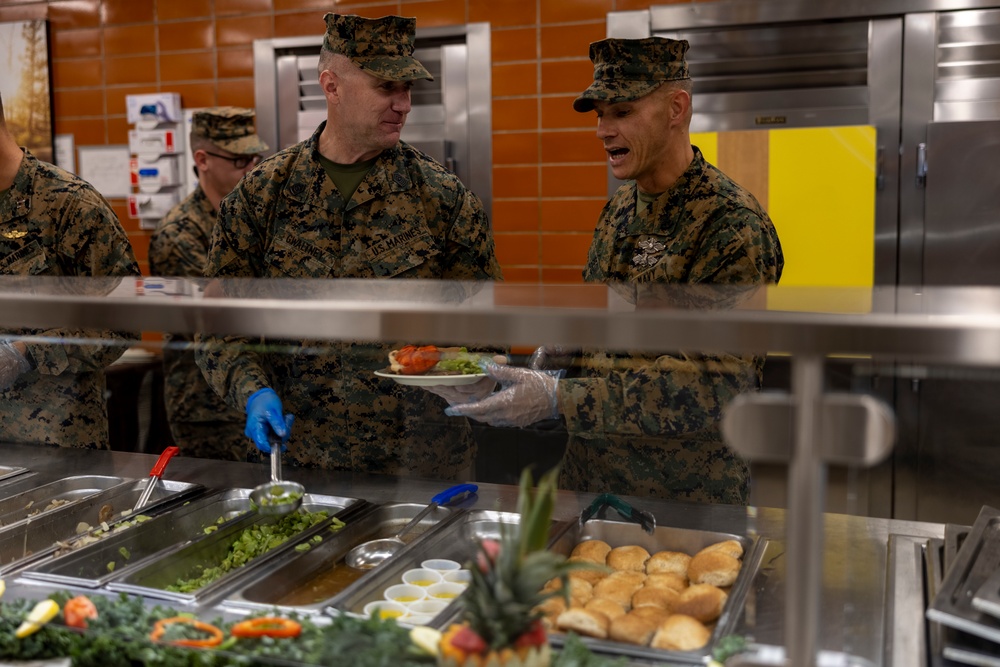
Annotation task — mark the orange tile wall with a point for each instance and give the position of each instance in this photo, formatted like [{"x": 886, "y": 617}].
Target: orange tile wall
[{"x": 548, "y": 168}]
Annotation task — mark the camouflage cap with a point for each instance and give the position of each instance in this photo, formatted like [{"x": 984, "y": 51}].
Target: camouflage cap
[
  {"x": 230, "y": 128},
  {"x": 382, "y": 47},
  {"x": 627, "y": 69}
]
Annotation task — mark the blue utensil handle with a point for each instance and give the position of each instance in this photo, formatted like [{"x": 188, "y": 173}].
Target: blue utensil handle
[{"x": 448, "y": 495}]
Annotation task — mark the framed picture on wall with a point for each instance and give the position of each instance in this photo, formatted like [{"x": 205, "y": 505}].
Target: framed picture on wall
[{"x": 24, "y": 85}]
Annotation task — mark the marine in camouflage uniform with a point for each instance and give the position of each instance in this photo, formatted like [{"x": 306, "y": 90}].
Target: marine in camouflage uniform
[
  {"x": 55, "y": 224},
  {"x": 200, "y": 421},
  {"x": 408, "y": 218},
  {"x": 644, "y": 424}
]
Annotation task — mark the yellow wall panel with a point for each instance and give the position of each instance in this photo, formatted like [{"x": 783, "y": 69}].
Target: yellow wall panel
[
  {"x": 822, "y": 201},
  {"x": 708, "y": 144}
]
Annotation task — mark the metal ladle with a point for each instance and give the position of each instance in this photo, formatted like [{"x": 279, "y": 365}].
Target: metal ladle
[
  {"x": 270, "y": 497},
  {"x": 371, "y": 554}
]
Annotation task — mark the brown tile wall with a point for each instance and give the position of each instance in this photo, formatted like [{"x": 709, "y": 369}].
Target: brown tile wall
[{"x": 548, "y": 168}]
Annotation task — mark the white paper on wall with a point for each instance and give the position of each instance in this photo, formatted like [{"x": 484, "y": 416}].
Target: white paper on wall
[{"x": 107, "y": 169}]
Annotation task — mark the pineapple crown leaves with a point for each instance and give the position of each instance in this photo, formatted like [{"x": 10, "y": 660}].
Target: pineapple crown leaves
[{"x": 507, "y": 585}]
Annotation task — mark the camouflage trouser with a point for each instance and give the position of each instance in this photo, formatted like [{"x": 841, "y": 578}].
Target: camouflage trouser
[
  {"x": 700, "y": 470},
  {"x": 211, "y": 440}
]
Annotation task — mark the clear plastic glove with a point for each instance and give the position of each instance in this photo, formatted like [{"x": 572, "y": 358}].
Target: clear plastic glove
[
  {"x": 526, "y": 396},
  {"x": 265, "y": 416},
  {"x": 550, "y": 357},
  {"x": 465, "y": 393},
  {"x": 468, "y": 393},
  {"x": 12, "y": 364}
]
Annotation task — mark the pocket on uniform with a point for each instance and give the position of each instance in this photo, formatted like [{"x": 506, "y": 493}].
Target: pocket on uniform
[
  {"x": 29, "y": 260},
  {"x": 297, "y": 259},
  {"x": 405, "y": 257}
]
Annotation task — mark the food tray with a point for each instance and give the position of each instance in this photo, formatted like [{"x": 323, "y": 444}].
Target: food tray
[
  {"x": 29, "y": 541},
  {"x": 976, "y": 561},
  {"x": 152, "y": 577},
  {"x": 32, "y": 504},
  {"x": 306, "y": 582},
  {"x": 666, "y": 538},
  {"x": 456, "y": 540}
]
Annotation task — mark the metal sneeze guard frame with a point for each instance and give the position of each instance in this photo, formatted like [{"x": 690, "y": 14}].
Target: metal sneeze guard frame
[{"x": 959, "y": 326}]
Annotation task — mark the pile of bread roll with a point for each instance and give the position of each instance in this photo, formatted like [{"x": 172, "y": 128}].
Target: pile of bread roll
[{"x": 668, "y": 600}]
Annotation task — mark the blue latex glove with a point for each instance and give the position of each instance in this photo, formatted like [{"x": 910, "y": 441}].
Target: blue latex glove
[
  {"x": 526, "y": 396},
  {"x": 12, "y": 364},
  {"x": 264, "y": 417}
]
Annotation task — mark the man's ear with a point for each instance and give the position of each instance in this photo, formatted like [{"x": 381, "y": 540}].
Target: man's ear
[
  {"x": 329, "y": 82},
  {"x": 200, "y": 160},
  {"x": 680, "y": 102}
]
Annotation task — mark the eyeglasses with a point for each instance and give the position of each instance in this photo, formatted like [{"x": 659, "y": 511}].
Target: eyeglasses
[{"x": 239, "y": 162}]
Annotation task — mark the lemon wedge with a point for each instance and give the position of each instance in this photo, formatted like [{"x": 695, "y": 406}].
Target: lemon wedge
[
  {"x": 43, "y": 612},
  {"x": 426, "y": 639},
  {"x": 3, "y": 587}
]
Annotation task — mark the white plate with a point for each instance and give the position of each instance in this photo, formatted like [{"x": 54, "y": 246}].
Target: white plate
[{"x": 431, "y": 380}]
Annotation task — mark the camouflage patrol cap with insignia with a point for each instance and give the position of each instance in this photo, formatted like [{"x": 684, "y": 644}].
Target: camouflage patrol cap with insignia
[
  {"x": 383, "y": 47},
  {"x": 230, "y": 128},
  {"x": 627, "y": 69}
]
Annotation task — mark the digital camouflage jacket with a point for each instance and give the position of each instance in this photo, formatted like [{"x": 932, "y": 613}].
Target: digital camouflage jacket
[
  {"x": 409, "y": 218},
  {"x": 646, "y": 424},
  {"x": 55, "y": 224}
]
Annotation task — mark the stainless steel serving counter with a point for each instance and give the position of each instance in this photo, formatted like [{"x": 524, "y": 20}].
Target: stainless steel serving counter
[{"x": 855, "y": 587}]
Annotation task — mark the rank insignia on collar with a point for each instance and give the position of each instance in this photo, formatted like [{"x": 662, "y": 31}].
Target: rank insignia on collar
[
  {"x": 650, "y": 248},
  {"x": 15, "y": 234}
]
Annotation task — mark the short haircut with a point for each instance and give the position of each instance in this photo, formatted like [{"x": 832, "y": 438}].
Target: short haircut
[{"x": 199, "y": 143}]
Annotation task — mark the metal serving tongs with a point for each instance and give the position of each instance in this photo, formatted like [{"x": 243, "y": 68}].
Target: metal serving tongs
[
  {"x": 641, "y": 517},
  {"x": 154, "y": 476}
]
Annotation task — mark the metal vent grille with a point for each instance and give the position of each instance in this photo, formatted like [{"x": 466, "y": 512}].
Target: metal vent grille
[
  {"x": 967, "y": 75},
  {"x": 796, "y": 74}
]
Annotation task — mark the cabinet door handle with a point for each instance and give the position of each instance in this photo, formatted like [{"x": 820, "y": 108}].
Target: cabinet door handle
[{"x": 921, "y": 164}]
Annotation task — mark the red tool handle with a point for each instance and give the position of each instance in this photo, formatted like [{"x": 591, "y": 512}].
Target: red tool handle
[{"x": 161, "y": 462}]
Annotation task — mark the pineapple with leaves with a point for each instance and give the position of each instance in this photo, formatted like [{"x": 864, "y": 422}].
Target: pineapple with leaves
[{"x": 502, "y": 625}]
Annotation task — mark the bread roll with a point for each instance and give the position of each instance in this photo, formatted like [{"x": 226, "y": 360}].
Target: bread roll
[
  {"x": 609, "y": 608},
  {"x": 713, "y": 567},
  {"x": 551, "y": 609},
  {"x": 663, "y": 598},
  {"x": 633, "y": 628},
  {"x": 580, "y": 592},
  {"x": 653, "y": 613},
  {"x": 701, "y": 601},
  {"x": 728, "y": 547},
  {"x": 591, "y": 576},
  {"x": 629, "y": 558},
  {"x": 593, "y": 550},
  {"x": 670, "y": 580},
  {"x": 680, "y": 633},
  {"x": 619, "y": 586},
  {"x": 668, "y": 561},
  {"x": 584, "y": 622},
  {"x": 552, "y": 584}
]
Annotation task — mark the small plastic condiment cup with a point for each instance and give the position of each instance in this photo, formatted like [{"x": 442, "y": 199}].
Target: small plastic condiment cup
[
  {"x": 384, "y": 609},
  {"x": 463, "y": 577},
  {"x": 422, "y": 577},
  {"x": 441, "y": 565},
  {"x": 428, "y": 606},
  {"x": 405, "y": 593},
  {"x": 446, "y": 591}
]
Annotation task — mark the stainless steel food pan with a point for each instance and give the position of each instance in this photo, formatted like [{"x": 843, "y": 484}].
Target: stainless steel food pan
[
  {"x": 665, "y": 538},
  {"x": 48, "y": 497},
  {"x": 456, "y": 540},
  {"x": 306, "y": 581},
  {"x": 6, "y": 472},
  {"x": 152, "y": 577},
  {"x": 27, "y": 542}
]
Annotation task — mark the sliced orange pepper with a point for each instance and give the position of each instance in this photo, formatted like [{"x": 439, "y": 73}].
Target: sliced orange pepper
[
  {"x": 214, "y": 639},
  {"x": 417, "y": 360},
  {"x": 277, "y": 628}
]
